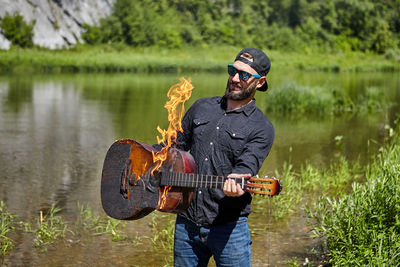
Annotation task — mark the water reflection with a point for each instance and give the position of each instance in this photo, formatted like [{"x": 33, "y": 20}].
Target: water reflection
[
  {"x": 56, "y": 129},
  {"x": 18, "y": 92}
]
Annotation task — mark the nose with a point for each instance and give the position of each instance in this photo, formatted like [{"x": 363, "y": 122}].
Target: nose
[{"x": 236, "y": 77}]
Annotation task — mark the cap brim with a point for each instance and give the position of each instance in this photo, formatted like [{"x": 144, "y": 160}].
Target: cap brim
[{"x": 264, "y": 87}]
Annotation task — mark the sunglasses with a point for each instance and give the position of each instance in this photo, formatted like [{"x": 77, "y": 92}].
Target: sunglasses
[{"x": 242, "y": 74}]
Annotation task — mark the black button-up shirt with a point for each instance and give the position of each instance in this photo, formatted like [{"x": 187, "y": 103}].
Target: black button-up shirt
[{"x": 221, "y": 143}]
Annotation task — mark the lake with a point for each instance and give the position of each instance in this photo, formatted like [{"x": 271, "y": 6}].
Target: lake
[{"x": 55, "y": 130}]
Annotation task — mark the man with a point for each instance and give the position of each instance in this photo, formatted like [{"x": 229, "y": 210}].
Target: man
[{"x": 227, "y": 136}]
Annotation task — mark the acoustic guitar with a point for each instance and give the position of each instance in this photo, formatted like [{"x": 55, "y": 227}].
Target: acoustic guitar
[{"x": 130, "y": 189}]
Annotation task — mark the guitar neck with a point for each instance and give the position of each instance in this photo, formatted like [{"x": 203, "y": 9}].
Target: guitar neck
[{"x": 194, "y": 180}]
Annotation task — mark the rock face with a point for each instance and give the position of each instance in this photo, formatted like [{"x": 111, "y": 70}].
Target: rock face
[{"x": 58, "y": 22}]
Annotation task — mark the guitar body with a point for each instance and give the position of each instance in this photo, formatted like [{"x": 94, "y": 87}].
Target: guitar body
[{"x": 130, "y": 192}]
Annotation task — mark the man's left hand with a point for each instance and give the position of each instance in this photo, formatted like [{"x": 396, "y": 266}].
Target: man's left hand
[{"x": 231, "y": 188}]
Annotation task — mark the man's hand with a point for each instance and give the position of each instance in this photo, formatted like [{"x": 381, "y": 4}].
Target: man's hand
[{"x": 232, "y": 189}]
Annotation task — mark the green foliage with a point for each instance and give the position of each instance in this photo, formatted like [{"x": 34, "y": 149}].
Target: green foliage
[
  {"x": 298, "y": 25},
  {"x": 98, "y": 226},
  {"x": 294, "y": 99},
  {"x": 163, "y": 228},
  {"x": 113, "y": 227},
  {"x": 6, "y": 221},
  {"x": 92, "y": 34},
  {"x": 393, "y": 54},
  {"x": 50, "y": 227},
  {"x": 299, "y": 186},
  {"x": 363, "y": 228},
  {"x": 382, "y": 37},
  {"x": 17, "y": 30},
  {"x": 89, "y": 220}
]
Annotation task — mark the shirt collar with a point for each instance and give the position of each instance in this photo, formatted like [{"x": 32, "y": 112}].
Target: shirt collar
[{"x": 247, "y": 109}]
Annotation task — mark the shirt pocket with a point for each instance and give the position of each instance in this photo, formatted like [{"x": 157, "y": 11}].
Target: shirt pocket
[
  {"x": 233, "y": 143},
  {"x": 199, "y": 127}
]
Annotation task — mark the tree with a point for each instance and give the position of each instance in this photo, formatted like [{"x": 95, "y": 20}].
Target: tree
[
  {"x": 17, "y": 30},
  {"x": 382, "y": 37}
]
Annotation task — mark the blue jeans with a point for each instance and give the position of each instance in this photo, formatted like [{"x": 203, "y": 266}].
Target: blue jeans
[{"x": 229, "y": 244}]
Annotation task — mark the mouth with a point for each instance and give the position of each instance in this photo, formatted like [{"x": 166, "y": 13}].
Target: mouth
[{"x": 235, "y": 87}]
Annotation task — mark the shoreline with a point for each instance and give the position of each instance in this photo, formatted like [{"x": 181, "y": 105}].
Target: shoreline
[{"x": 114, "y": 59}]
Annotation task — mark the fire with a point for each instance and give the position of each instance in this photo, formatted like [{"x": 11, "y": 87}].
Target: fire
[
  {"x": 162, "y": 196},
  {"x": 178, "y": 94}
]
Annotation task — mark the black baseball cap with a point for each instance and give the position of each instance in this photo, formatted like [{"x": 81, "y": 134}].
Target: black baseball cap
[{"x": 260, "y": 63}]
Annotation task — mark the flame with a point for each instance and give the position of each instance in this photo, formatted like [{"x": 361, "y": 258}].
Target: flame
[
  {"x": 162, "y": 196},
  {"x": 178, "y": 94}
]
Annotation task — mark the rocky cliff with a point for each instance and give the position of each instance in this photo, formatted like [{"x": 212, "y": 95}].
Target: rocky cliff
[{"x": 58, "y": 22}]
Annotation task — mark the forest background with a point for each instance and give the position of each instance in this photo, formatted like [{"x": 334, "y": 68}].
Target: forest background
[
  {"x": 288, "y": 25},
  {"x": 300, "y": 25},
  {"x": 201, "y": 35}
]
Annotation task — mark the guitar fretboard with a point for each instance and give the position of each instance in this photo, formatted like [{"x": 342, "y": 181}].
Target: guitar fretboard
[{"x": 195, "y": 180}]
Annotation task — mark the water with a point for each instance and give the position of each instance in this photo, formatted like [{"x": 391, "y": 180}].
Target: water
[{"x": 56, "y": 129}]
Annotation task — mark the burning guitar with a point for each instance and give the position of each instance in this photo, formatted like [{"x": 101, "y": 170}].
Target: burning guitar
[
  {"x": 136, "y": 179},
  {"x": 131, "y": 188}
]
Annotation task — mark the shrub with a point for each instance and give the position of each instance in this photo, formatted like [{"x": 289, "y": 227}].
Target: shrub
[
  {"x": 363, "y": 228},
  {"x": 292, "y": 98},
  {"x": 392, "y": 54},
  {"x": 17, "y": 30},
  {"x": 92, "y": 34}
]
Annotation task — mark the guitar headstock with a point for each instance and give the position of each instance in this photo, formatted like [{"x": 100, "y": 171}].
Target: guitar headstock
[{"x": 264, "y": 186}]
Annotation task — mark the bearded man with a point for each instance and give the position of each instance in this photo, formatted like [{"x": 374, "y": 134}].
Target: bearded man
[{"x": 227, "y": 136}]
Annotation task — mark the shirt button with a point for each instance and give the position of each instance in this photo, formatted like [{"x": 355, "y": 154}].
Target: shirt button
[
  {"x": 211, "y": 143},
  {"x": 199, "y": 192},
  {"x": 206, "y": 159},
  {"x": 217, "y": 127}
]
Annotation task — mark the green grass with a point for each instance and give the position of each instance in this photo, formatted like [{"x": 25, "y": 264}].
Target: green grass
[
  {"x": 306, "y": 184},
  {"x": 98, "y": 226},
  {"x": 50, "y": 227},
  {"x": 163, "y": 229},
  {"x": 119, "y": 58},
  {"x": 363, "y": 228},
  {"x": 88, "y": 220},
  {"x": 6, "y": 221},
  {"x": 292, "y": 98}
]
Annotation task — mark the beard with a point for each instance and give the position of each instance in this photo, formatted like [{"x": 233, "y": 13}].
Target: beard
[{"x": 244, "y": 93}]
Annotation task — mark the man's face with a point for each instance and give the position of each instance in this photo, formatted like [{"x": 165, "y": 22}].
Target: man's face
[{"x": 237, "y": 89}]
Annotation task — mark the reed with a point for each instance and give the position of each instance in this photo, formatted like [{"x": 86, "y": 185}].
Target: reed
[
  {"x": 306, "y": 185},
  {"x": 163, "y": 229},
  {"x": 163, "y": 233},
  {"x": 363, "y": 227},
  {"x": 99, "y": 60},
  {"x": 88, "y": 220},
  {"x": 292, "y": 98},
  {"x": 50, "y": 227},
  {"x": 98, "y": 226},
  {"x": 6, "y": 221},
  {"x": 120, "y": 58}
]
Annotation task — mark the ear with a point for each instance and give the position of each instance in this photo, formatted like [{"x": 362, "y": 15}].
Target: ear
[{"x": 261, "y": 82}]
